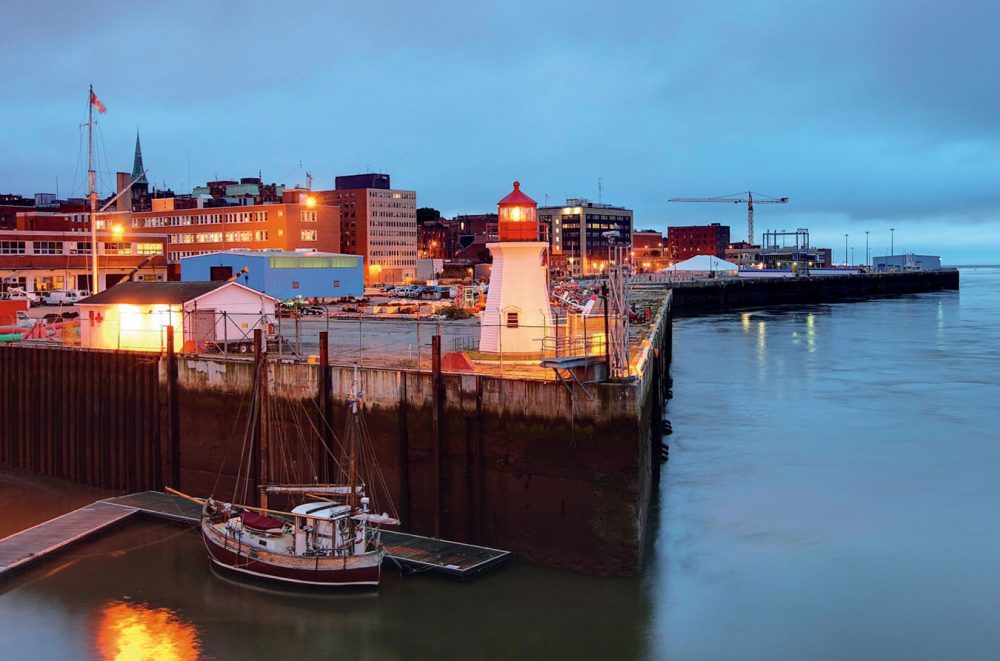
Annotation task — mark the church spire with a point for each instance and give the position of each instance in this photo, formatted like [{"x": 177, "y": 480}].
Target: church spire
[{"x": 138, "y": 170}]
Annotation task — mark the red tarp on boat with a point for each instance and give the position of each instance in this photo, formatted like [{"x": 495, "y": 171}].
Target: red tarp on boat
[{"x": 261, "y": 522}]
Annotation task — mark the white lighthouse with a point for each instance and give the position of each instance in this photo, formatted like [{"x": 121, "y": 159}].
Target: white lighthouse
[{"x": 517, "y": 315}]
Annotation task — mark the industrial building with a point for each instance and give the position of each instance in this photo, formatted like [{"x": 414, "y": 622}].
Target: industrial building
[
  {"x": 282, "y": 274},
  {"x": 906, "y": 262}
]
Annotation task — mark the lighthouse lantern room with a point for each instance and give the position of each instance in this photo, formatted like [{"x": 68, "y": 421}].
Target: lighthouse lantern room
[{"x": 517, "y": 316}]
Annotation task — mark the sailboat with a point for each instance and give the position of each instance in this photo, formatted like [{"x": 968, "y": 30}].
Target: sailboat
[{"x": 331, "y": 540}]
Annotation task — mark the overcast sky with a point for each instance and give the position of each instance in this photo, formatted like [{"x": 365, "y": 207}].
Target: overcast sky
[{"x": 867, "y": 115}]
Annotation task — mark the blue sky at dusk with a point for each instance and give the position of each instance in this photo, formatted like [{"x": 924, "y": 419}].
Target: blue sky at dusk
[{"x": 868, "y": 115}]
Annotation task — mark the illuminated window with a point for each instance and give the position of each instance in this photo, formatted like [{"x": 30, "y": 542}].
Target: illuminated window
[
  {"x": 308, "y": 216},
  {"x": 148, "y": 249},
  {"x": 308, "y": 235}
]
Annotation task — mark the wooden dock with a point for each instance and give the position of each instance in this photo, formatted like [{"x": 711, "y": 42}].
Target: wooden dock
[
  {"x": 440, "y": 555},
  {"x": 38, "y": 541},
  {"x": 402, "y": 549}
]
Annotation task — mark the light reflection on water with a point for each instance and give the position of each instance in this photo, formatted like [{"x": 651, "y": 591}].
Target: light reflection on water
[{"x": 137, "y": 632}]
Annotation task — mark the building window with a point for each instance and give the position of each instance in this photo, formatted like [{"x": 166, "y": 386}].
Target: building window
[
  {"x": 295, "y": 284},
  {"x": 48, "y": 248},
  {"x": 82, "y": 248},
  {"x": 11, "y": 247},
  {"x": 117, "y": 248},
  {"x": 308, "y": 235},
  {"x": 511, "y": 320},
  {"x": 336, "y": 283},
  {"x": 308, "y": 216},
  {"x": 148, "y": 249}
]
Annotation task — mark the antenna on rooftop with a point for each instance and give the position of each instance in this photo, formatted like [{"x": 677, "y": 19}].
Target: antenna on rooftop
[{"x": 600, "y": 190}]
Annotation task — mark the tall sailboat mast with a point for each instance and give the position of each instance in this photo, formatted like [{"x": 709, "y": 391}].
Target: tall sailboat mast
[
  {"x": 355, "y": 396},
  {"x": 92, "y": 192}
]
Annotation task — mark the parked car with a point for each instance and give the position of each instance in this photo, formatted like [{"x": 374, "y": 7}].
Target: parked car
[
  {"x": 67, "y": 297},
  {"x": 314, "y": 310},
  {"x": 17, "y": 294}
]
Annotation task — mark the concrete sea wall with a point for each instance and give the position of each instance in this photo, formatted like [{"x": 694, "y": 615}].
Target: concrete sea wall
[
  {"x": 708, "y": 296},
  {"x": 561, "y": 476}
]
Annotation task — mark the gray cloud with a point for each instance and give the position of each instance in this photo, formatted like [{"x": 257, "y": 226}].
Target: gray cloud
[{"x": 863, "y": 113}]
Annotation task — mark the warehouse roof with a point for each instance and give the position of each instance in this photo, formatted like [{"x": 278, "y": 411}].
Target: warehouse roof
[{"x": 270, "y": 253}]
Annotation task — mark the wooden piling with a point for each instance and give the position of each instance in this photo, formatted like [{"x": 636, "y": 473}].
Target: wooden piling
[
  {"x": 173, "y": 413},
  {"x": 436, "y": 430}
]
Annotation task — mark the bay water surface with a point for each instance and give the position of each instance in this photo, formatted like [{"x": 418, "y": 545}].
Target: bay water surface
[{"x": 833, "y": 491}]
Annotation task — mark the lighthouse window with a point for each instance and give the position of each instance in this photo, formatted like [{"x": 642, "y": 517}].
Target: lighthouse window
[{"x": 511, "y": 320}]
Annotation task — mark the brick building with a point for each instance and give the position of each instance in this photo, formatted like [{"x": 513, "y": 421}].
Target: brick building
[
  {"x": 649, "y": 252},
  {"x": 377, "y": 222},
  {"x": 691, "y": 240},
  {"x": 297, "y": 223},
  {"x": 39, "y": 261}
]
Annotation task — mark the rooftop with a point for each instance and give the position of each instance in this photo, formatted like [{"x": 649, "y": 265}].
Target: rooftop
[
  {"x": 140, "y": 293},
  {"x": 271, "y": 253}
]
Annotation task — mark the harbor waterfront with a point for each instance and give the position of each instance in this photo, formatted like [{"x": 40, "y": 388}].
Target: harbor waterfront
[{"x": 830, "y": 493}]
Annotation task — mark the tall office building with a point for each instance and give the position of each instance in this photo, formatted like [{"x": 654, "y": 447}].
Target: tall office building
[
  {"x": 377, "y": 222},
  {"x": 581, "y": 233}
]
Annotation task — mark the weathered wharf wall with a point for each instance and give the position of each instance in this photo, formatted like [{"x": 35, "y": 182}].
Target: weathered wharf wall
[
  {"x": 86, "y": 416},
  {"x": 709, "y": 296},
  {"x": 558, "y": 475}
]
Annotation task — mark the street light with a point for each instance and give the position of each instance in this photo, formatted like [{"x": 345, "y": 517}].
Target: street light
[
  {"x": 867, "y": 256},
  {"x": 845, "y": 250},
  {"x": 892, "y": 241}
]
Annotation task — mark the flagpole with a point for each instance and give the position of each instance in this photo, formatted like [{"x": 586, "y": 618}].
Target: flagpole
[{"x": 92, "y": 193}]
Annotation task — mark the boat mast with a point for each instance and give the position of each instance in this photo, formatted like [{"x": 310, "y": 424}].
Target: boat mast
[
  {"x": 355, "y": 396},
  {"x": 92, "y": 193},
  {"x": 262, "y": 418}
]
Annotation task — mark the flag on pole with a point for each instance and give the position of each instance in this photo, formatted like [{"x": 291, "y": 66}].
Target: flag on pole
[{"x": 94, "y": 101}]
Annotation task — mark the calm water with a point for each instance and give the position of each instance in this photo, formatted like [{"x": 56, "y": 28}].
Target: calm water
[{"x": 832, "y": 493}]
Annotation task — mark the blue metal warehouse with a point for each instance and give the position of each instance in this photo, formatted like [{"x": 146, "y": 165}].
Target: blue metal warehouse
[{"x": 280, "y": 273}]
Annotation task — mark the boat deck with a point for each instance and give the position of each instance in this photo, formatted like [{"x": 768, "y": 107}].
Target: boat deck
[{"x": 402, "y": 549}]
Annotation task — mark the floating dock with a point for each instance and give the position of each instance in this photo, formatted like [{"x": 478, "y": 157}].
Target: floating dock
[
  {"x": 39, "y": 541},
  {"x": 402, "y": 549}
]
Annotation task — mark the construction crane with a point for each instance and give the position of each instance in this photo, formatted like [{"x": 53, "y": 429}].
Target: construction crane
[{"x": 738, "y": 198}]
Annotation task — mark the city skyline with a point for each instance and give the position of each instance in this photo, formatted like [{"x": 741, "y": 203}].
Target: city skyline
[{"x": 866, "y": 118}]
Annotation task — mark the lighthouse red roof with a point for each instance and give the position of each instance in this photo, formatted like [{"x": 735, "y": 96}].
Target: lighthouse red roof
[{"x": 516, "y": 197}]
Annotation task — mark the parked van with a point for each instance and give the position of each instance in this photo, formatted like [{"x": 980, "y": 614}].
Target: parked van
[{"x": 67, "y": 297}]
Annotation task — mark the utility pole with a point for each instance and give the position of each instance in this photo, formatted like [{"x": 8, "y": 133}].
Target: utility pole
[
  {"x": 845, "y": 251},
  {"x": 868, "y": 259},
  {"x": 892, "y": 241}
]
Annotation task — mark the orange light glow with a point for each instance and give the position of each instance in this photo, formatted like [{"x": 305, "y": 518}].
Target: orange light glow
[
  {"x": 134, "y": 631},
  {"x": 310, "y": 202},
  {"x": 117, "y": 230}
]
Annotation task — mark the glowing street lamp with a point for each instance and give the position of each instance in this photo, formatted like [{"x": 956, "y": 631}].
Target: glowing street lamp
[{"x": 311, "y": 202}]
